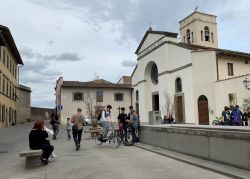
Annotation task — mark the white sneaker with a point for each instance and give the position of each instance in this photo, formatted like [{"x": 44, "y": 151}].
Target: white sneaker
[
  {"x": 50, "y": 159},
  {"x": 53, "y": 155}
]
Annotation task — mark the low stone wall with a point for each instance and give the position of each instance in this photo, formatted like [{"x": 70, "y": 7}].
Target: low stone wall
[
  {"x": 224, "y": 144},
  {"x": 37, "y": 112}
]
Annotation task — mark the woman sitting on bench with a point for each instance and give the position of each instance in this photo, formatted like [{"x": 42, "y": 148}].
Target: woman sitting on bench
[{"x": 38, "y": 139}]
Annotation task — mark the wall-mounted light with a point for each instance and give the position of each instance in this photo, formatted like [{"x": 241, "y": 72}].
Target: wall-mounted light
[{"x": 246, "y": 83}]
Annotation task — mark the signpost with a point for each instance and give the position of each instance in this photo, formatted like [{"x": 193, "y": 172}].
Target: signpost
[{"x": 60, "y": 107}]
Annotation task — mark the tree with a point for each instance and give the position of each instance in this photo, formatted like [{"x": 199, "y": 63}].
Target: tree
[
  {"x": 89, "y": 105},
  {"x": 168, "y": 107},
  {"x": 246, "y": 104}
]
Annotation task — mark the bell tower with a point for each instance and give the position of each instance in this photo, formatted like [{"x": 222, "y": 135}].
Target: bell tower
[{"x": 199, "y": 29}]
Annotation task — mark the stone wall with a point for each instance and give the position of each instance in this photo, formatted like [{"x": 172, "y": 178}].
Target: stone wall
[
  {"x": 223, "y": 144},
  {"x": 36, "y": 112}
]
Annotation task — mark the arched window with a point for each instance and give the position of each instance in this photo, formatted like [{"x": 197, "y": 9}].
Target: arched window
[
  {"x": 188, "y": 36},
  {"x": 212, "y": 36},
  {"x": 137, "y": 95},
  {"x": 154, "y": 74},
  {"x": 178, "y": 85},
  {"x": 206, "y": 34},
  {"x": 201, "y": 35}
]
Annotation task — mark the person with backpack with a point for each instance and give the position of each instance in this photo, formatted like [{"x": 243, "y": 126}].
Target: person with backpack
[
  {"x": 236, "y": 116},
  {"x": 105, "y": 120}
]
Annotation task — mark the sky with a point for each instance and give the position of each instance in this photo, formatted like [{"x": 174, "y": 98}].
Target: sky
[{"x": 82, "y": 39}]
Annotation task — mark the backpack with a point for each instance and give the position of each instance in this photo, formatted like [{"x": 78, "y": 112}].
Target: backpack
[
  {"x": 236, "y": 116},
  {"x": 100, "y": 115}
]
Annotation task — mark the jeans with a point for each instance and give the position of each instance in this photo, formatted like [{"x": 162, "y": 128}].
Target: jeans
[
  {"x": 105, "y": 125},
  {"x": 77, "y": 136},
  {"x": 56, "y": 130},
  {"x": 47, "y": 150},
  {"x": 68, "y": 133}
]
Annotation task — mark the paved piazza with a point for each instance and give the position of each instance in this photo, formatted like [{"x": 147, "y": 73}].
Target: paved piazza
[{"x": 90, "y": 161}]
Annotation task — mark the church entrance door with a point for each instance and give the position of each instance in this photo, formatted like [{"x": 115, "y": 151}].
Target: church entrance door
[
  {"x": 203, "y": 110},
  {"x": 155, "y": 102},
  {"x": 179, "y": 108}
]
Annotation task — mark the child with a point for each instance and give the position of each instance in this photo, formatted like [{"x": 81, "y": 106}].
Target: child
[{"x": 68, "y": 128}]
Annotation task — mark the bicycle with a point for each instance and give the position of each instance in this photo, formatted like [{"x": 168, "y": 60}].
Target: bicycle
[
  {"x": 113, "y": 138},
  {"x": 217, "y": 121},
  {"x": 129, "y": 140}
]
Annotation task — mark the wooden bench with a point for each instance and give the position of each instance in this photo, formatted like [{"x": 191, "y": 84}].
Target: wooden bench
[
  {"x": 32, "y": 157},
  {"x": 93, "y": 131}
]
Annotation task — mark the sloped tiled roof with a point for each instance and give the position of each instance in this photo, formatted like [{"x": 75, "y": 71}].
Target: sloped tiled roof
[
  {"x": 218, "y": 50},
  {"x": 7, "y": 40},
  {"x": 100, "y": 83}
]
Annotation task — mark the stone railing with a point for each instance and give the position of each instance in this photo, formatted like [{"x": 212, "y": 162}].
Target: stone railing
[{"x": 223, "y": 144}]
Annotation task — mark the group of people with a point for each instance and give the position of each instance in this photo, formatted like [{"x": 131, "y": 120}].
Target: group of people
[
  {"x": 125, "y": 121},
  {"x": 168, "y": 119},
  {"x": 39, "y": 135},
  {"x": 234, "y": 116}
]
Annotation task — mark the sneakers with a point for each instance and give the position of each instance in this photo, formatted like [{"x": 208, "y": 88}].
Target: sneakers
[
  {"x": 78, "y": 147},
  {"x": 53, "y": 155},
  {"x": 50, "y": 159},
  {"x": 44, "y": 161}
]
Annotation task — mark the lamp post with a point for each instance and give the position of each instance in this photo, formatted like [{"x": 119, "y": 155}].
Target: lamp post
[{"x": 246, "y": 83}]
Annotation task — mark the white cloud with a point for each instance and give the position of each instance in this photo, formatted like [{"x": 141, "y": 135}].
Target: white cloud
[{"x": 58, "y": 35}]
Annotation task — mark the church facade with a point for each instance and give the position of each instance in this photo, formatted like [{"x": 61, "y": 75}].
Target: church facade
[{"x": 189, "y": 77}]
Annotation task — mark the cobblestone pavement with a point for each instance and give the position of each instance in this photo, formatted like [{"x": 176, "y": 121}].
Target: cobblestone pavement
[{"x": 90, "y": 161}]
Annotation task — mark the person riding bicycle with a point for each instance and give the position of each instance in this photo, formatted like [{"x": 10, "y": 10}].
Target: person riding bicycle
[
  {"x": 122, "y": 122},
  {"x": 105, "y": 120}
]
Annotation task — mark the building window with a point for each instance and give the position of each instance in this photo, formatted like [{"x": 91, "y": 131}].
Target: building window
[
  {"x": 201, "y": 35},
  {"x": 0, "y": 82},
  {"x": 3, "y": 56},
  {"x": 178, "y": 85},
  {"x": 192, "y": 37},
  {"x": 77, "y": 96},
  {"x": 207, "y": 34},
  {"x": 99, "y": 96},
  {"x": 154, "y": 74},
  {"x": 232, "y": 99},
  {"x": 188, "y": 36},
  {"x": 8, "y": 61},
  {"x": 137, "y": 95},
  {"x": 212, "y": 37},
  {"x": 230, "y": 69},
  {"x": 184, "y": 39},
  {"x": 118, "y": 97}
]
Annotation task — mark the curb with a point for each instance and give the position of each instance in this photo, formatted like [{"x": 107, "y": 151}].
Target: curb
[{"x": 231, "y": 175}]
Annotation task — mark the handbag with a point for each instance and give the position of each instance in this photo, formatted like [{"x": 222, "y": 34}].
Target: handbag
[{"x": 74, "y": 128}]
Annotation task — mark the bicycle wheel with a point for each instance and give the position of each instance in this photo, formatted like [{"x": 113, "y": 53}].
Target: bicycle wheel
[
  {"x": 129, "y": 140},
  {"x": 98, "y": 139},
  {"x": 215, "y": 122},
  {"x": 114, "y": 141}
]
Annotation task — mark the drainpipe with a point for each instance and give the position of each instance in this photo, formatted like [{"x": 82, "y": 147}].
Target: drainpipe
[
  {"x": 217, "y": 68},
  {"x": 131, "y": 94}
]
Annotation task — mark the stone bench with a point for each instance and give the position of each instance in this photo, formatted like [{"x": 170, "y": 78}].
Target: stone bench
[
  {"x": 93, "y": 131},
  {"x": 32, "y": 157}
]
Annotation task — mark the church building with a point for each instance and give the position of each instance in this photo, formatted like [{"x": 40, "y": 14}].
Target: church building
[{"x": 188, "y": 76}]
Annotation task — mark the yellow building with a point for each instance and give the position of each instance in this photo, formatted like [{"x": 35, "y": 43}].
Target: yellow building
[{"x": 9, "y": 60}]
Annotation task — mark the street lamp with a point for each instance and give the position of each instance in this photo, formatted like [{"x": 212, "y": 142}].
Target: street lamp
[{"x": 246, "y": 83}]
